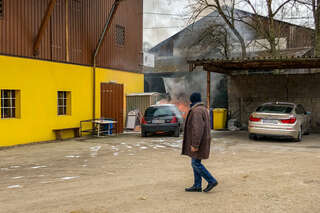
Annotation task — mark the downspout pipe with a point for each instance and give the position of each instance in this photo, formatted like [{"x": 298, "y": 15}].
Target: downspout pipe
[{"x": 96, "y": 52}]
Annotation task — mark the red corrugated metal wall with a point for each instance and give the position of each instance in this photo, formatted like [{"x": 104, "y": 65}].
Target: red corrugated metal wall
[{"x": 22, "y": 20}]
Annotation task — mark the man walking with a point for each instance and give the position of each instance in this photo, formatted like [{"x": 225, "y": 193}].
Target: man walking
[{"x": 196, "y": 143}]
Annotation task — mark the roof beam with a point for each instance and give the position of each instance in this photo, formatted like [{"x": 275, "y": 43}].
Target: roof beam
[
  {"x": 226, "y": 66},
  {"x": 43, "y": 27}
]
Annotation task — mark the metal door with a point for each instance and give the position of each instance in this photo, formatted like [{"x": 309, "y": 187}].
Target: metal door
[{"x": 112, "y": 103}]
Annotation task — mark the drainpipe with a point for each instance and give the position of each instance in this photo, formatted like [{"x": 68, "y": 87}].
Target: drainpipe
[{"x": 96, "y": 52}]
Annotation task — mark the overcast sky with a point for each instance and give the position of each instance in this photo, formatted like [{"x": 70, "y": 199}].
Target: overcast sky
[{"x": 163, "y": 18}]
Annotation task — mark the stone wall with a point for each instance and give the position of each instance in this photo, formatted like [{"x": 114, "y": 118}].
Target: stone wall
[{"x": 247, "y": 92}]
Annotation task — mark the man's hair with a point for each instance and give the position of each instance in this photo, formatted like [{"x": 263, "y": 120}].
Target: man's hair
[{"x": 195, "y": 97}]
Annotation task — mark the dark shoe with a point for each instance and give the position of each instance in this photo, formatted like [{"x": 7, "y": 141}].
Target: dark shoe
[
  {"x": 193, "y": 189},
  {"x": 210, "y": 186}
]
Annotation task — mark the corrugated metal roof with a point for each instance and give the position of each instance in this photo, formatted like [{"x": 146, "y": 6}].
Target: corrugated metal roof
[{"x": 226, "y": 66}]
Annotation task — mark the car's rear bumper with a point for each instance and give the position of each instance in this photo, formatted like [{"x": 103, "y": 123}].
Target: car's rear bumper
[
  {"x": 289, "y": 132},
  {"x": 168, "y": 127}
]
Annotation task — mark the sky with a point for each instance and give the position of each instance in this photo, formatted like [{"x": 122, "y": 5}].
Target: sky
[{"x": 163, "y": 18}]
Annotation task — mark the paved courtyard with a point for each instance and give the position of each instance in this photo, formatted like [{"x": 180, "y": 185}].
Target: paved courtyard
[{"x": 133, "y": 175}]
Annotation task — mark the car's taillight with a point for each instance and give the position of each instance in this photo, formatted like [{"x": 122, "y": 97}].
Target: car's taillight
[
  {"x": 174, "y": 120},
  {"x": 143, "y": 121},
  {"x": 254, "y": 119},
  {"x": 289, "y": 121}
]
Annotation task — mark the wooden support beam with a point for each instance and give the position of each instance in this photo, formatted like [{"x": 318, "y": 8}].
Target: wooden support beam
[
  {"x": 67, "y": 31},
  {"x": 208, "y": 89},
  {"x": 43, "y": 27},
  {"x": 210, "y": 68}
]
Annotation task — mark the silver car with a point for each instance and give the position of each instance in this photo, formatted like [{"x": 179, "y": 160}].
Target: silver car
[{"x": 279, "y": 119}]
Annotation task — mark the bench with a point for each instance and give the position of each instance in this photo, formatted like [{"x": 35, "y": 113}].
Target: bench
[{"x": 59, "y": 131}]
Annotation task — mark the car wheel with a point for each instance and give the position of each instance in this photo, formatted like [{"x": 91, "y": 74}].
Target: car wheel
[
  {"x": 307, "y": 132},
  {"x": 299, "y": 138},
  {"x": 177, "y": 132},
  {"x": 144, "y": 133},
  {"x": 253, "y": 137}
]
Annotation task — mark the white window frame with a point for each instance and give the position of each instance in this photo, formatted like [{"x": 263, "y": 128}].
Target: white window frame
[
  {"x": 66, "y": 103},
  {"x": 12, "y": 107}
]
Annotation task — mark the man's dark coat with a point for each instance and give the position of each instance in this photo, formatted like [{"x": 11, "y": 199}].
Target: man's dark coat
[{"x": 197, "y": 132}]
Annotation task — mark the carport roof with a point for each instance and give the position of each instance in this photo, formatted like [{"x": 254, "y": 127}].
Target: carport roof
[{"x": 254, "y": 64}]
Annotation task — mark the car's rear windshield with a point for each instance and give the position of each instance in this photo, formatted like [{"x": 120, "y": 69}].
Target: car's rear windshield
[
  {"x": 275, "y": 109},
  {"x": 160, "y": 111}
]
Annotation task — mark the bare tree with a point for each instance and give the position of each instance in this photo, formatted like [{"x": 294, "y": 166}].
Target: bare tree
[
  {"x": 227, "y": 14},
  {"x": 314, "y": 6},
  {"x": 264, "y": 24}
]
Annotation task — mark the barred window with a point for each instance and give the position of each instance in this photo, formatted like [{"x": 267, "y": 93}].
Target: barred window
[
  {"x": 9, "y": 102},
  {"x": 120, "y": 35},
  {"x": 64, "y": 103},
  {"x": 1, "y": 8}
]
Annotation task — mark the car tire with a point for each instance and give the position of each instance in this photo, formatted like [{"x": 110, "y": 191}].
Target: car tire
[
  {"x": 299, "y": 138},
  {"x": 307, "y": 132},
  {"x": 253, "y": 137},
  {"x": 176, "y": 133},
  {"x": 144, "y": 134}
]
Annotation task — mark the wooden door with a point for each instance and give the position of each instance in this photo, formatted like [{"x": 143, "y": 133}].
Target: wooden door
[{"x": 112, "y": 103}]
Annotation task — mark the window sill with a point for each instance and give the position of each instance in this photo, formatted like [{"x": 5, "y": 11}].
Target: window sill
[{"x": 9, "y": 119}]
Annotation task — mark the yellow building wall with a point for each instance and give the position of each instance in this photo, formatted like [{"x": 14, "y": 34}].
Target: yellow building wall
[{"x": 38, "y": 82}]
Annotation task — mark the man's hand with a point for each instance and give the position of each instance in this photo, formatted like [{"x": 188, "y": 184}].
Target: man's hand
[{"x": 193, "y": 149}]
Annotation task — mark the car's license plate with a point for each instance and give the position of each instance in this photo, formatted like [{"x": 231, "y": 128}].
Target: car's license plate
[
  {"x": 268, "y": 121},
  {"x": 157, "y": 121}
]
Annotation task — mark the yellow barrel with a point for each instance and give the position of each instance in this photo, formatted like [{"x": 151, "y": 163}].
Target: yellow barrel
[{"x": 219, "y": 118}]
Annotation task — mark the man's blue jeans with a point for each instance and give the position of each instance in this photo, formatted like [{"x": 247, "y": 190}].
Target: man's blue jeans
[{"x": 201, "y": 172}]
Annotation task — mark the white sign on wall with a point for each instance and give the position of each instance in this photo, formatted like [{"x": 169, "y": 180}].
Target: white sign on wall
[{"x": 148, "y": 60}]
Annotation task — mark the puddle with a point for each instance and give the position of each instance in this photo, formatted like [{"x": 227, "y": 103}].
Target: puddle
[
  {"x": 72, "y": 156},
  {"x": 95, "y": 148},
  {"x": 38, "y": 167},
  {"x": 14, "y": 186},
  {"x": 69, "y": 178},
  {"x": 159, "y": 140},
  {"x": 19, "y": 177}
]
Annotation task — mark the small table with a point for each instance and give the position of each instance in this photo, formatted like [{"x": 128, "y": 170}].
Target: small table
[{"x": 98, "y": 124}]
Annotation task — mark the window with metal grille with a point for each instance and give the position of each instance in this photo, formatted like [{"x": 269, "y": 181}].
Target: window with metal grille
[
  {"x": 1, "y": 8},
  {"x": 120, "y": 35},
  {"x": 9, "y": 103},
  {"x": 64, "y": 103}
]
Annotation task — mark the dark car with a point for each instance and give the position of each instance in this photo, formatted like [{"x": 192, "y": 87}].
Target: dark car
[{"x": 162, "y": 118}]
